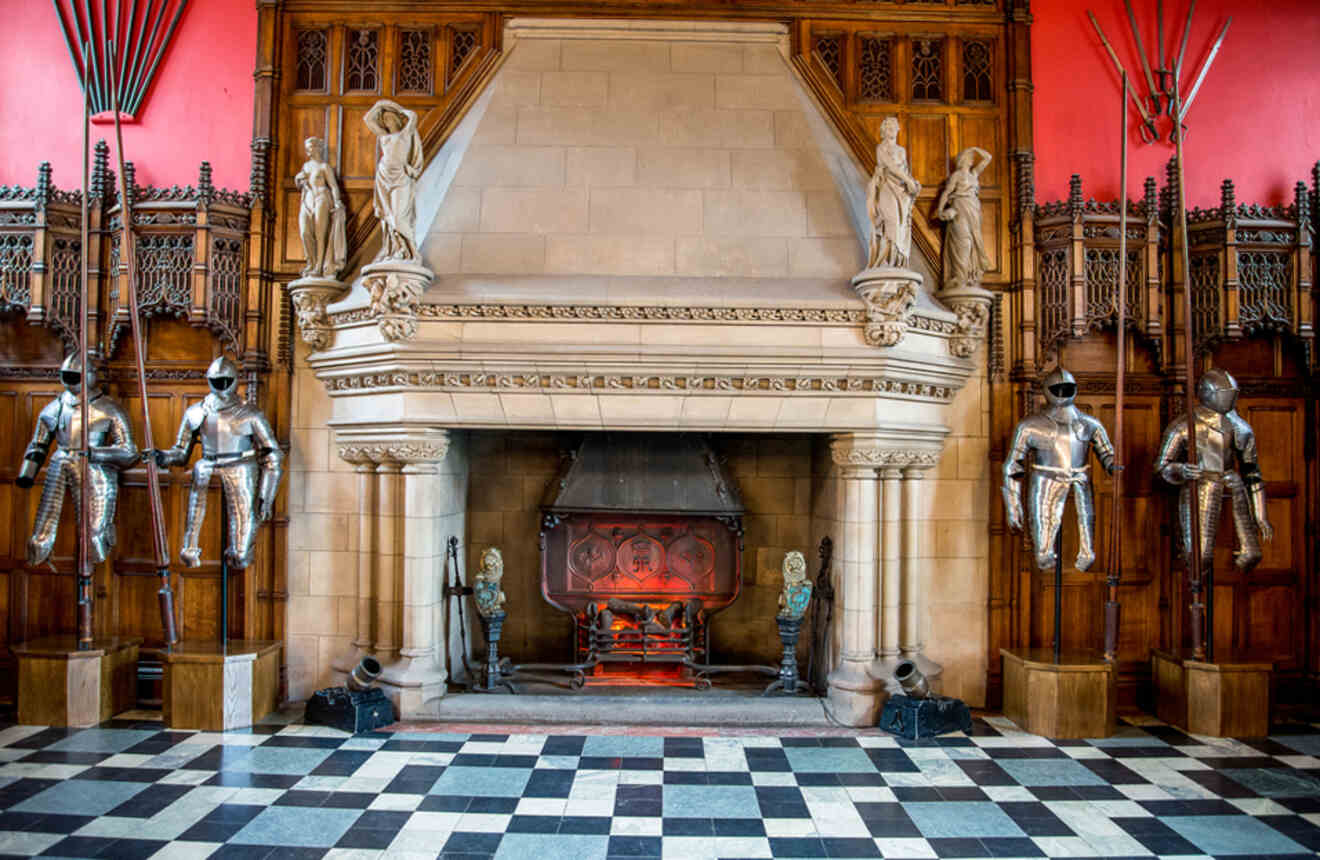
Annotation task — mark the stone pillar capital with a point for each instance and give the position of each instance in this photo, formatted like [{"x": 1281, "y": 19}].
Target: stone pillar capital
[
  {"x": 874, "y": 451},
  {"x": 418, "y": 449}
]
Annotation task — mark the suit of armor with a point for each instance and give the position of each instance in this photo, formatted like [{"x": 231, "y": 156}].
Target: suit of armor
[
  {"x": 110, "y": 440},
  {"x": 1061, "y": 437},
  {"x": 239, "y": 446},
  {"x": 1222, "y": 438}
]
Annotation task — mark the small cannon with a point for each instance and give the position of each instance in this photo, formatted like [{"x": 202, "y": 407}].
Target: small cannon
[
  {"x": 358, "y": 706},
  {"x": 919, "y": 713}
]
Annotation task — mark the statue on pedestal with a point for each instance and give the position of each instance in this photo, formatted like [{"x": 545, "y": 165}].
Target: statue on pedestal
[
  {"x": 396, "y": 279},
  {"x": 400, "y": 164},
  {"x": 239, "y": 445},
  {"x": 1226, "y": 460},
  {"x": 321, "y": 215},
  {"x": 110, "y": 440},
  {"x": 890, "y": 196},
  {"x": 1061, "y": 437},
  {"x": 959, "y": 207}
]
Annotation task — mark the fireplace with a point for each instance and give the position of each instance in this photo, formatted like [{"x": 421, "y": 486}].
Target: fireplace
[{"x": 641, "y": 544}]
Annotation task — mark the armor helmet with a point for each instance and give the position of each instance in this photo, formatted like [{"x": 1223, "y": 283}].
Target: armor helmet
[
  {"x": 1060, "y": 387},
  {"x": 71, "y": 374},
  {"x": 222, "y": 377},
  {"x": 1217, "y": 390}
]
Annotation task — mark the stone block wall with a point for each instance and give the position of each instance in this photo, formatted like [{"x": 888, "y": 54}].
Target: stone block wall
[{"x": 643, "y": 158}]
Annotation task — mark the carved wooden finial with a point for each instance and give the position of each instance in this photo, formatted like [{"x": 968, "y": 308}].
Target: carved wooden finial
[
  {"x": 1026, "y": 181},
  {"x": 1170, "y": 190},
  {"x": 1150, "y": 204},
  {"x": 100, "y": 170},
  {"x": 1075, "y": 202},
  {"x": 205, "y": 190},
  {"x": 130, "y": 181},
  {"x": 43, "y": 184},
  {"x": 1303, "y": 198},
  {"x": 257, "y": 178}
]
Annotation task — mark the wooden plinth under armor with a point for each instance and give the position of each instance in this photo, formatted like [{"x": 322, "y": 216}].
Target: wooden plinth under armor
[
  {"x": 212, "y": 688},
  {"x": 1073, "y": 698},
  {"x": 58, "y": 685},
  {"x": 1226, "y": 698}
]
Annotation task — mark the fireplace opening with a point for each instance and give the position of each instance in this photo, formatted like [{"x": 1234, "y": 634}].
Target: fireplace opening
[{"x": 641, "y": 545}]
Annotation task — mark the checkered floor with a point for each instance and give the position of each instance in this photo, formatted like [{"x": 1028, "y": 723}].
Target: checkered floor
[{"x": 130, "y": 790}]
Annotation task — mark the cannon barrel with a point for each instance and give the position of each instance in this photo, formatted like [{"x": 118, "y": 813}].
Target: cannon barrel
[
  {"x": 364, "y": 674},
  {"x": 914, "y": 683}
]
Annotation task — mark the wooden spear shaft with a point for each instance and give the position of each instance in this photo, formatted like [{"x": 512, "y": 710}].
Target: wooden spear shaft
[
  {"x": 84, "y": 482},
  {"x": 1189, "y": 369},
  {"x": 128, "y": 258},
  {"x": 1115, "y": 513}
]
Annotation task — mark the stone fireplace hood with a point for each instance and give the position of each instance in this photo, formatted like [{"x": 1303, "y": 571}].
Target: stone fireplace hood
[{"x": 675, "y": 473}]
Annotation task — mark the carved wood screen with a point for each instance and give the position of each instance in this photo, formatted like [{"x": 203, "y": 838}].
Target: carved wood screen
[
  {"x": 1253, "y": 311},
  {"x": 200, "y": 294}
]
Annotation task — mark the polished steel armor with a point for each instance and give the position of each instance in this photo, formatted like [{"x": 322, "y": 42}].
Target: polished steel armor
[
  {"x": 110, "y": 439},
  {"x": 239, "y": 446},
  {"x": 1226, "y": 461},
  {"x": 1060, "y": 437}
]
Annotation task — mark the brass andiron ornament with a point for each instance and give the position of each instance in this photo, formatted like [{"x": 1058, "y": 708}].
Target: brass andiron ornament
[
  {"x": 489, "y": 600},
  {"x": 1225, "y": 461},
  {"x": 1060, "y": 437},
  {"x": 794, "y": 598},
  {"x": 239, "y": 446}
]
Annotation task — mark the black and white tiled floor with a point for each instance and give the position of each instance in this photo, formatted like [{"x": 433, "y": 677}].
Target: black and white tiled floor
[{"x": 285, "y": 790}]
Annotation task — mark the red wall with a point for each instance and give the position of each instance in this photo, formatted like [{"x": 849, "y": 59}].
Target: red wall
[
  {"x": 199, "y": 107},
  {"x": 1256, "y": 119}
]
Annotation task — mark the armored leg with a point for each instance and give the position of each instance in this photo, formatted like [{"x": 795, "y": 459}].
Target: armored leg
[
  {"x": 239, "y": 482},
  {"x": 1209, "y": 498},
  {"x": 47, "y": 524},
  {"x": 1084, "y": 502},
  {"x": 1045, "y": 500},
  {"x": 101, "y": 520},
  {"x": 191, "y": 553},
  {"x": 1248, "y": 553}
]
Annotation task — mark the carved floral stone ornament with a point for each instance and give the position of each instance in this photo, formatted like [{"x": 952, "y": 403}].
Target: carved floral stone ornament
[
  {"x": 396, "y": 290},
  {"x": 973, "y": 309},
  {"x": 889, "y": 294}
]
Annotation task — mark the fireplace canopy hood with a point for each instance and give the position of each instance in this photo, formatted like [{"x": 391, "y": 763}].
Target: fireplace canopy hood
[{"x": 659, "y": 473}]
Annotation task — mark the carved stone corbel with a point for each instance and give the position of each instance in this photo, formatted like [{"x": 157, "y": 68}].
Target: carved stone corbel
[
  {"x": 310, "y": 297},
  {"x": 889, "y": 294},
  {"x": 972, "y": 306},
  {"x": 396, "y": 289}
]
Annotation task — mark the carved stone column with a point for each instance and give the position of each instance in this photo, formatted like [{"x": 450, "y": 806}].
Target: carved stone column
[
  {"x": 400, "y": 504},
  {"x": 915, "y": 572},
  {"x": 891, "y": 555},
  {"x": 853, "y": 698}
]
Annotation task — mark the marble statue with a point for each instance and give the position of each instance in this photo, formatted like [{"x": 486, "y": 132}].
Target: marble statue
[
  {"x": 890, "y": 196},
  {"x": 959, "y": 207},
  {"x": 1226, "y": 461},
  {"x": 400, "y": 164},
  {"x": 238, "y": 446},
  {"x": 110, "y": 439},
  {"x": 486, "y": 591},
  {"x": 322, "y": 214},
  {"x": 796, "y": 593},
  {"x": 1061, "y": 437}
]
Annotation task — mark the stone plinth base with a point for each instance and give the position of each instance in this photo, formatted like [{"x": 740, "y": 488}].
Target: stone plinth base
[
  {"x": 396, "y": 288},
  {"x": 214, "y": 689},
  {"x": 1073, "y": 698},
  {"x": 889, "y": 294},
  {"x": 58, "y": 685},
  {"x": 1224, "y": 698}
]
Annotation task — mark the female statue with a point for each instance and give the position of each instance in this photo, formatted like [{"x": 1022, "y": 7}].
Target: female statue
[
  {"x": 397, "y": 170},
  {"x": 959, "y": 206},
  {"x": 889, "y": 198},
  {"x": 321, "y": 216}
]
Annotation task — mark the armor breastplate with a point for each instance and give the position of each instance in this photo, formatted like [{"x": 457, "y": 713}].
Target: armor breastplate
[
  {"x": 1060, "y": 445},
  {"x": 68, "y": 432},
  {"x": 225, "y": 431},
  {"x": 1213, "y": 441}
]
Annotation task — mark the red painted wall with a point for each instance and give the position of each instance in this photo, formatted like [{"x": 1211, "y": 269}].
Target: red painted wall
[
  {"x": 199, "y": 107},
  {"x": 1256, "y": 119}
]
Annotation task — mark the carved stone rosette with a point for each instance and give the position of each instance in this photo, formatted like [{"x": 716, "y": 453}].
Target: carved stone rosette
[
  {"x": 396, "y": 289},
  {"x": 972, "y": 306},
  {"x": 889, "y": 294},
  {"x": 310, "y": 297}
]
